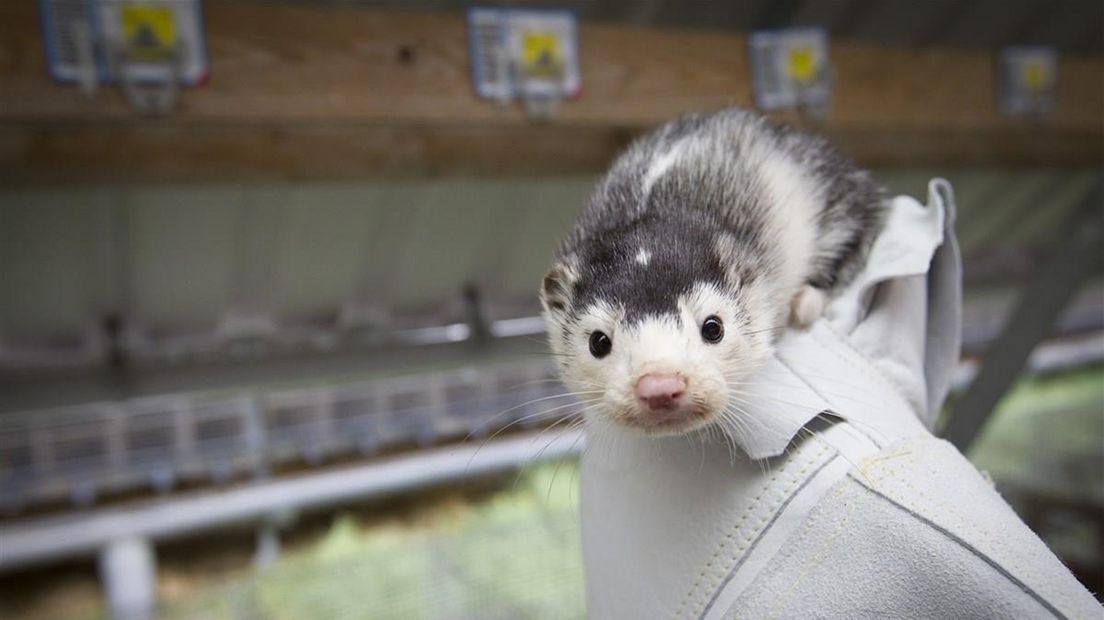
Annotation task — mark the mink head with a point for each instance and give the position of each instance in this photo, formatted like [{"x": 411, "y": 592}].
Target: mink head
[{"x": 652, "y": 325}]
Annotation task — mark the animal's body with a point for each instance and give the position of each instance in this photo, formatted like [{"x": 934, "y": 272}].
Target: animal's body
[{"x": 705, "y": 238}]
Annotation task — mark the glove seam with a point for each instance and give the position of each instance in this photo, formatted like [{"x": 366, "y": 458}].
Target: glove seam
[
  {"x": 693, "y": 596},
  {"x": 924, "y": 499},
  {"x": 844, "y": 492}
]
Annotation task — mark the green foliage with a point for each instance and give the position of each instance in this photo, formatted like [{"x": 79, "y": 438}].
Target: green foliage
[
  {"x": 1048, "y": 434},
  {"x": 515, "y": 556}
]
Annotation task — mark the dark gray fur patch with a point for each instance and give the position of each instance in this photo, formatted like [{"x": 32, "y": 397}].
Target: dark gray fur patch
[
  {"x": 680, "y": 255},
  {"x": 690, "y": 208}
]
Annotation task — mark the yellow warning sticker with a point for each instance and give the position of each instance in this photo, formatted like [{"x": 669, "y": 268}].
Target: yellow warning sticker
[
  {"x": 1036, "y": 75},
  {"x": 540, "y": 54},
  {"x": 801, "y": 63},
  {"x": 148, "y": 30}
]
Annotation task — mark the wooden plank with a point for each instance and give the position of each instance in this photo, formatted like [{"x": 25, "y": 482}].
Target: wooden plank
[
  {"x": 292, "y": 63},
  {"x": 300, "y": 92},
  {"x": 168, "y": 152}
]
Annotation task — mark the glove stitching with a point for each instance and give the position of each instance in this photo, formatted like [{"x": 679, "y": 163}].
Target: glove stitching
[
  {"x": 692, "y": 592},
  {"x": 996, "y": 543},
  {"x": 843, "y": 493},
  {"x": 718, "y": 578},
  {"x": 699, "y": 598}
]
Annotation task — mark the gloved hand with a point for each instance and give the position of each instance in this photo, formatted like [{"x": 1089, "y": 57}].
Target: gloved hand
[{"x": 835, "y": 500}]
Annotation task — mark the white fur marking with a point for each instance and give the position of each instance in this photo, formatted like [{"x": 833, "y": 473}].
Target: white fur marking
[
  {"x": 643, "y": 257},
  {"x": 661, "y": 164},
  {"x": 657, "y": 345},
  {"x": 792, "y": 213}
]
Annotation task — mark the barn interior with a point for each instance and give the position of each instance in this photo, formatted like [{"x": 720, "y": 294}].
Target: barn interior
[{"x": 270, "y": 343}]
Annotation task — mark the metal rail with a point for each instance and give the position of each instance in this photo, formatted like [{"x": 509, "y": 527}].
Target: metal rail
[{"x": 51, "y": 539}]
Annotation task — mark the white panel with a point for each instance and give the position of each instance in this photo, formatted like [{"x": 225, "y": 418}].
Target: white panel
[
  {"x": 50, "y": 265},
  {"x": 182, "y": 247},
  {"x": 328, "y": 234}
]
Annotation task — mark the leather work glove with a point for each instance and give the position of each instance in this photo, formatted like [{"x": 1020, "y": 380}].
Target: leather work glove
[{"x": 836, "y": 500}]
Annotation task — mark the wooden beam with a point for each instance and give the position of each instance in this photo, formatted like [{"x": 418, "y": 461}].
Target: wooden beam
[
  {"x": 302, "y": 92},
  {"x": 168, "y": 152}
]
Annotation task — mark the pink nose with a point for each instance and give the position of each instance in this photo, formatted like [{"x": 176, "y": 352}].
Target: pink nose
[{"x": 660, "y": 391}]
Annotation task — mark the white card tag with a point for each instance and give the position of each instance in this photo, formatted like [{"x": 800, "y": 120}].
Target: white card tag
[
  {"x": 524, "y": 53},
  {"x": 790, "y": 68},
  {"x": 91, "y": 35},
  {"x": 1027, "y": 79}
]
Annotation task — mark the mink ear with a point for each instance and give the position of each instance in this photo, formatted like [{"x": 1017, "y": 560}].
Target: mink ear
[{"x": 557, "y": 286}]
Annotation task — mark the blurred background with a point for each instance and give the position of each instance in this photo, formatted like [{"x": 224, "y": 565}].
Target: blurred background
[{"x": 269, "y": 338}]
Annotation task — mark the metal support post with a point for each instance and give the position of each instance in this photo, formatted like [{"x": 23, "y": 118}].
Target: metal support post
[
  {"x": 1044, "y": 298},
  {"x": 128, "y": 570}
]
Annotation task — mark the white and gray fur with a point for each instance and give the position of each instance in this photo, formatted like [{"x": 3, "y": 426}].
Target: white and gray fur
[{"x": 709, "y": 214}]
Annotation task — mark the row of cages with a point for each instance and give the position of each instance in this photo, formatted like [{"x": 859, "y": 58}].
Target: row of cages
[{"x": 80, "y": 453}]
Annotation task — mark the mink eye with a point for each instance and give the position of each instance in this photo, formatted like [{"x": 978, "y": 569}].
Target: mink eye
[
  {"x": 600, "y": 344},
  {"x": 712, "y": 330}
]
